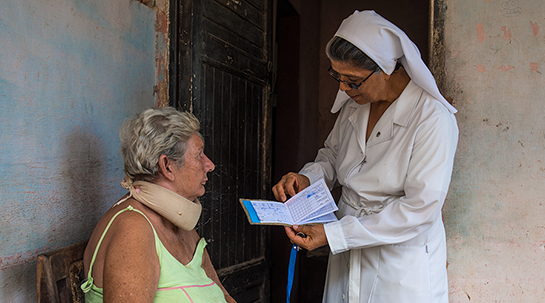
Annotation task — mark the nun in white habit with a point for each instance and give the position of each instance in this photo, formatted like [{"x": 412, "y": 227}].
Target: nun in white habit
[{"x": 392, "y": 150}]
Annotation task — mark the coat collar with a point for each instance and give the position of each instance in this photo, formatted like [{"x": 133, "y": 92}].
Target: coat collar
[
  {"x": 406, "y": 103},
  {"x": 398, "y": 113}
]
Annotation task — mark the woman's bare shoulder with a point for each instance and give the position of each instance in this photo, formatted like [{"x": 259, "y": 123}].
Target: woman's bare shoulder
[
  {"x": 131, "y": 235},
  {"x": 126, "y": 215},
  {"x": 128, "y": 239},
  {"x": 130, "y": 223}
]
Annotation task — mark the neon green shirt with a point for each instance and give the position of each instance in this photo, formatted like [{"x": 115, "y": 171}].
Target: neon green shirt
[{"x": 177, "y": 282}]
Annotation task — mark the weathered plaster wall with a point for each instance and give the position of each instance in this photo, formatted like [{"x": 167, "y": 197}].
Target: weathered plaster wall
[
  {"x": 495, "y": 213},
  {"x": 70, "y": 72}
]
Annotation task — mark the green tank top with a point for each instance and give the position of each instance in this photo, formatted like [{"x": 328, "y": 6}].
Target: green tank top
[{"x": 177, "y": 282}]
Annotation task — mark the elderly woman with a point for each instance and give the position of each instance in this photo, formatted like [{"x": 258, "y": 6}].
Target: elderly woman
[
  {"x": 392, "y": 151},
  {"x": 145, "y": 248}
]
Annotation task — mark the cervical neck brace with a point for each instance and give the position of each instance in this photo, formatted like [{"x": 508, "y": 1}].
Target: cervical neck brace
[{"x": 175, "y": 208}]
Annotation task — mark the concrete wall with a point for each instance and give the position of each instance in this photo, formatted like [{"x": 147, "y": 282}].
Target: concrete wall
[
  {"x": 495, "y": 212},
  {"x": 70, "y": 72}
]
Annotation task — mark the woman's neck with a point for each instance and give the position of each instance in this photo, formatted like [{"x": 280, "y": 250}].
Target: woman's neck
[{"x": 397, "y": 82}]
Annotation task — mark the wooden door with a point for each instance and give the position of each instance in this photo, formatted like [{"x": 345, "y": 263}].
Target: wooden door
[{"x": 220, "y": 54}]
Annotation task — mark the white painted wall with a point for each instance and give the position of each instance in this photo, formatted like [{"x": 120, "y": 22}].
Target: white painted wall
[{"x": 495, "y": 212}]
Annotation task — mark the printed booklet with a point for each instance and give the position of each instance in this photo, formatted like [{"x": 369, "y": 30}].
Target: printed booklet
[{"x": 312, "y": 205}]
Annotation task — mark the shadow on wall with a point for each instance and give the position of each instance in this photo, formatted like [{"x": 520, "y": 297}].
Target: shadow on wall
[
  {"x": 73, "y": 198},
  {"x": 83, "y": 172}
]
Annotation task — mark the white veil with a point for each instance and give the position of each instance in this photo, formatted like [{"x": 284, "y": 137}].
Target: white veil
[{"x": 385, "y": 44}]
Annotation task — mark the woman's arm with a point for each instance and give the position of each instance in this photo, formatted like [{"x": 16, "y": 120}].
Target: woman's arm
[{"x": 131, "y": 265}]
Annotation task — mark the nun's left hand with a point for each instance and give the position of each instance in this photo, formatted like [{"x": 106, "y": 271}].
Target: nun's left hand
[{"x": 315, "y": 236}]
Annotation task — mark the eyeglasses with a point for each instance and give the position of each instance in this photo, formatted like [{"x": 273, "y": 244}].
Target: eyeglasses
[{"x": 355, "y": 86}]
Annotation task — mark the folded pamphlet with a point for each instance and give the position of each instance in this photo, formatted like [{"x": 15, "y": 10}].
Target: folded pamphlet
[{"x": 312, "y": 205}]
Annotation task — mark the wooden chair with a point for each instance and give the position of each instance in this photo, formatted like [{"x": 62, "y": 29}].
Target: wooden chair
[{"x": 60, "y": 273}]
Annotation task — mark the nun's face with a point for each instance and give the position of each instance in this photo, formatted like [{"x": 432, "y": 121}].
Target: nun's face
[{"x": 363, "y": 86}]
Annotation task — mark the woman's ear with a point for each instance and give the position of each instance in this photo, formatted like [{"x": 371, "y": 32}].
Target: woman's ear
[{"x": 165, "y": 167}]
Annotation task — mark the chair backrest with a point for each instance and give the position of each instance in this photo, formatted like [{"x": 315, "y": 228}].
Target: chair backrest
[{"x": 60, "y": 273}]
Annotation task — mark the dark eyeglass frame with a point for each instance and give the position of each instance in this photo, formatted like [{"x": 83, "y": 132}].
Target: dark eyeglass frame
[{"x": 355, "y": 86}]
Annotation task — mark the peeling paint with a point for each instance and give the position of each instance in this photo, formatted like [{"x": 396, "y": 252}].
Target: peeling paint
[
  {"x": 480, "y": 32},
  {"x": 503, "y": 68},
  {"x": 506, "y": 33},
  {"x": 494, "y": 211},
  {"x": 535, "y": 28}
]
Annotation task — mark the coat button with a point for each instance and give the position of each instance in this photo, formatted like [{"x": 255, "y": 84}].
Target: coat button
[{"x": 378, "y": 134}]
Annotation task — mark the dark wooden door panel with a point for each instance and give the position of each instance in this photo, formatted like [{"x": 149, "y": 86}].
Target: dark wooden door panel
[
  {"x": 240, "y": 18},
  {"x": 219, "y": 71},
  {"x": 242, "y": 43},
  {"x": 232, "y": 111}
]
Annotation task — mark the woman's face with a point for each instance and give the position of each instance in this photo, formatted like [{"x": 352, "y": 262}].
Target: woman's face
[
  {"x": 191, "y": 176},
  {"x": 372, "y": 90}
]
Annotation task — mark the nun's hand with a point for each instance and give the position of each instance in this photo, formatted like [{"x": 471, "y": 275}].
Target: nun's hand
[
  {"x": 312, "y": 237},
  {"x": 290, "y": 185}
]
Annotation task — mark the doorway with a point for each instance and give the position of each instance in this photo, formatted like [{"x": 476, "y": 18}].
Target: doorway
[{"x": 301, "y": 110}]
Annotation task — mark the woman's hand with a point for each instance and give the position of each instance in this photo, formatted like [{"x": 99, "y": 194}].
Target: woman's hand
[
  {"x": 315, "y": 236},
  {"x": 290, "y": 185}
]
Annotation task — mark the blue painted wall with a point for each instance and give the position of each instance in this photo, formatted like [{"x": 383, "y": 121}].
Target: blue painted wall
[{"x": 70, "y": 72}]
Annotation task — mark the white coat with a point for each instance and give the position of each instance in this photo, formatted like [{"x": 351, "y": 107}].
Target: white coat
[{"x": 389, "y": 244}]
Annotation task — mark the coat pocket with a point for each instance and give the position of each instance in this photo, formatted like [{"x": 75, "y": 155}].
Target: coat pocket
[{"x": 403, "y": 275}]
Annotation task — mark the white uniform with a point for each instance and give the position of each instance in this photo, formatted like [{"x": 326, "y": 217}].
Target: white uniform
[{"x": 389, "y": 244}]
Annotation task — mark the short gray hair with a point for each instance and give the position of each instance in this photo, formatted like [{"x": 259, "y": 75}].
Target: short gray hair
[
  {"x": 152, "y": 133},
  {"x": 338, "y": 49}
]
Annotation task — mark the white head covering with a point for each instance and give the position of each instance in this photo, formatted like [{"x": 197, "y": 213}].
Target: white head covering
[{"x": 385, "y": 43}]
